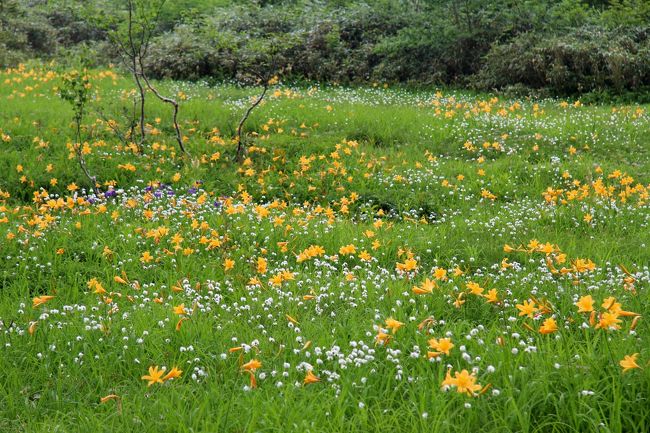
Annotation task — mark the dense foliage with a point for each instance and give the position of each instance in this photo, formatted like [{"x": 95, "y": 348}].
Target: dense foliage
[{"x": 565, "y": 47}]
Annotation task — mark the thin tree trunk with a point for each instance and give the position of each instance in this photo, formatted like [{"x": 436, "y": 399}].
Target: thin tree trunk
[
  {"x": 172, "y": 102},
  {"x": 82, "y": 159},
  {"x": 240, "y": 147},
  {"x": 133, "y": 54}
]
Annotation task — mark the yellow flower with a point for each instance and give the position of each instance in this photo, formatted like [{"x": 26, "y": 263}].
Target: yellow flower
[
  {"x": 173, "y": 374},
  {"x": 459, "y": 300},
  {"x": 310, "y": 378},
  {"x": 609, "y": 320},
  {"x": 180, "y": 323},
  {"x": 492, "y": 296},
  {"x": 365, "y": 256},
  {"x": 393, "y": 324},
  {"x": 261, "y": 265},
  {"x": 440, "y": 274},
  {"x": 611, "y": 305},
  {"x": 584, "y": 265},
  {"x": 32, "y": 327},
  {"x": 276, "y": 280},
  {"x": 475, "y": 289},
  {"x": 443, "y": 345},
  {"x": 382, "y": 338},
  {"x": 107, "y": 252},
  {"x": 251, "y": 365},
  {"x": 180, "y": 309},
  {"x": 448, "y": 381},
  {"x": 409, "y": 265},
  {"x": 146, "y": 257},
  {"x": 228, "y": 264},
  {"x": 154, "y": 376},
  {"x": 527, "y": 309},
  {"x": 585, "y": 304},
  {"x": 629, "y": 362},
  {"x": 549, "y": 326},
  {"x": 40, "y": 300},
  {"x": 546, "y": 248},
  {"x": 465, "y": 383},
  {"x": 426, "y": 287}
]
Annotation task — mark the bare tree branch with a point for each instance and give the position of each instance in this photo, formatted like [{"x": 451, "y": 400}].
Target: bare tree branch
[
  {"x": 179, "y": 136},
  {"x": 239, "y": 155}
]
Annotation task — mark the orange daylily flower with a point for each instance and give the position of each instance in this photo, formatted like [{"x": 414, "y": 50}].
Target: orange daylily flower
[
  {"x": 180, "y": 309},
  {"x": 393, "y": 324},
  {"x": 154, "y": 376},
  {"x": 585, "y": 304},
  {"x": 443, "y": 345},
  {"x": 173, "y": 374},
  {"x": 527, "y": 309},
  {"x": 629, "y": 362},
  {"x": 310, "y": 378},
  {"x": 464, "y": 382},
  {"x": 425, "y": 288},
  {"x": 40, "y": 300},
  {"x": 251, "y": 365},
  {"x": 549, "y": 326}
]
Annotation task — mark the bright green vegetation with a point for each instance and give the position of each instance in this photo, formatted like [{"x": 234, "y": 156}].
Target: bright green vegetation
[{"x": 349, "y": 199}]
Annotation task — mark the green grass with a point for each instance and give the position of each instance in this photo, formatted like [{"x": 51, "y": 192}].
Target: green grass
[{"x": 405, "y": 169}]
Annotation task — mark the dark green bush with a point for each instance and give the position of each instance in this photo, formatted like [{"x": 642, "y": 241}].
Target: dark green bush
[
  {"x": 316, "y": 44},
  {"x": 182, "y": 54},
  {"x": 561, "y": 47},
  {"x": 583, "y": 60},
  {"x": 23, "y": 33}
]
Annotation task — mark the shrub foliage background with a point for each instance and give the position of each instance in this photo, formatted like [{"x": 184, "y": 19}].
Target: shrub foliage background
[{"x": 563, "y": 47}]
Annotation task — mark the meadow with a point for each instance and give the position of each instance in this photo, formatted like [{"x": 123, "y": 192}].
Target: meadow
[{"x": 383, "y": 259}]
